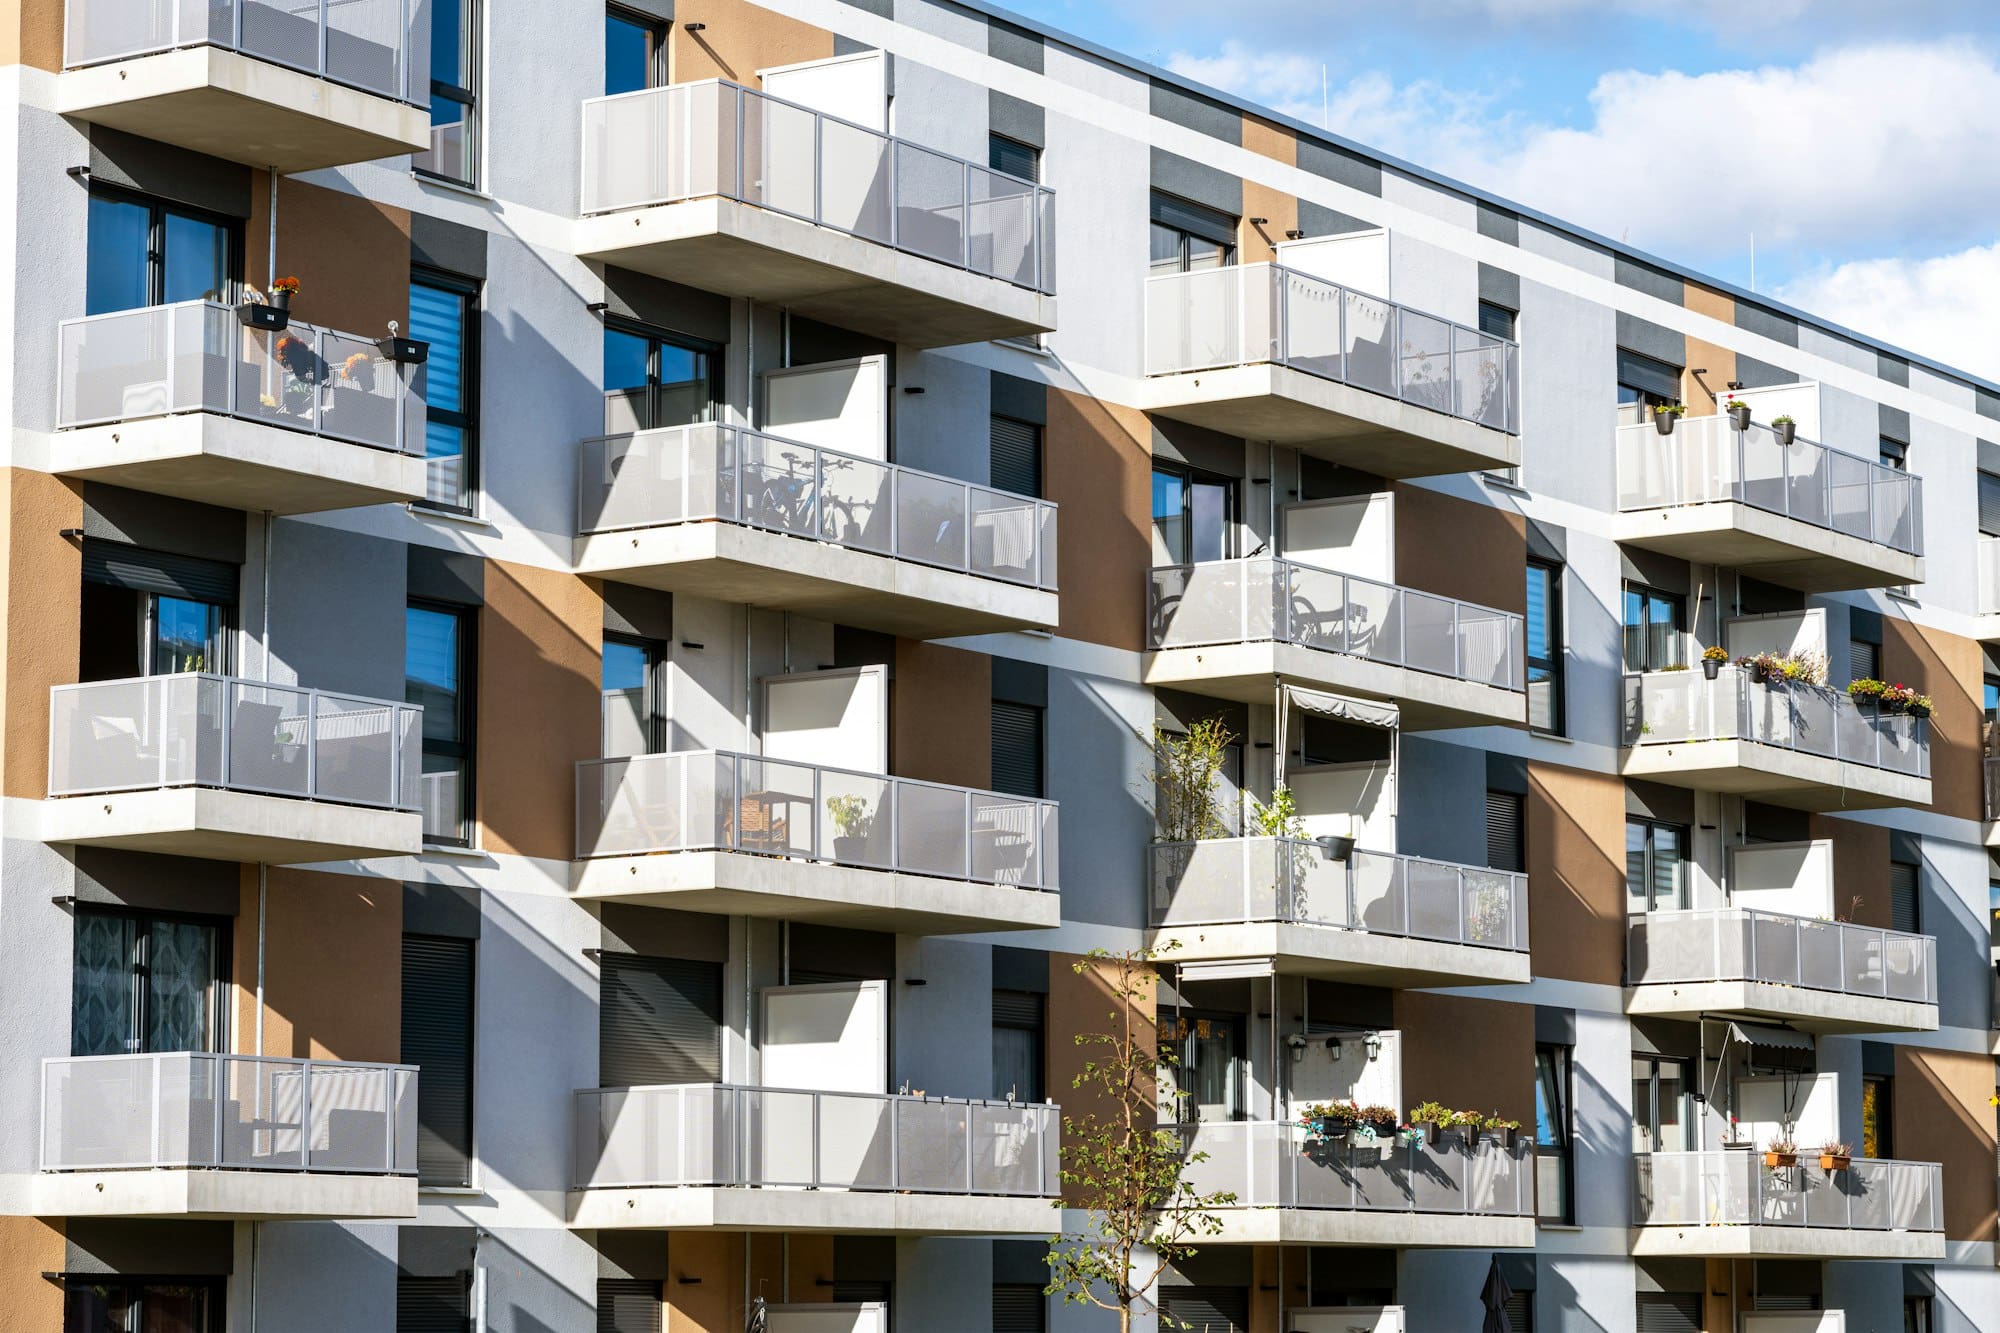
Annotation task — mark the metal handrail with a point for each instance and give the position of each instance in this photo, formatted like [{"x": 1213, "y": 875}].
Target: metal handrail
[
  {"x": 1849, "y": 938},
  {"x": 1707, "y": 721},
  {"x": 1735, "y": 1188}
]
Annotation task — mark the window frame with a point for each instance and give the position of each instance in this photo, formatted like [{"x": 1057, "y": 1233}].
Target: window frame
[
  {"x": 1893, "y": 453},
  {"x": 1650, "y": 828},
  {"x": 1520, "y": 806},
  {"x": 1648, "y": 596},
  {"x": 1041, "y": 731},
  {"x": 1189, "y": 478},
  {"x": 994, "y": 149},
  {"x": 465, "y": 417},
  {"x": 214, "y": 1316},
  {"x": 1513, "y": 318},
  {"x": 158, "y": 210},
  {"x": 471, "y": 1178},
  {"x": 137, "y": 965},
  {"x": 466, "y": 746},
  {"x": 1562, "y": 1058},
  {"x": 653, "y": 700},
  {"x": 658, "y": 32},
  {"x": 1556, "y": 664},
  {"x": 1041, "y": 453},
  {"x": 657, "y": 338},
  {"x": 1039, "y": 1028},
  {"x": 472, "y": 40}
]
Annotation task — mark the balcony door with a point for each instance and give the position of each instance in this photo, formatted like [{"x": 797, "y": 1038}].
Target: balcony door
[
  {"x": 151, "y": 613},
  {"x": 1210, "y": 1081},
  {"x": 1662, "y": 1105},
  {"x": 1655, "y": 622},
  {"x": 142, "y": 1305},
  {"x": 1194, "y": 516},
  {"x": 654, "y": 380},
  {"x": 1656, "y": 878},
  {"x": 635, "y": 51},
  {"x": 141, "y": 251},
  {"x": 146, "y": 983}
]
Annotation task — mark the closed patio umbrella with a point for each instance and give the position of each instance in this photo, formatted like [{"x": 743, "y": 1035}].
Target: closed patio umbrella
[{"x": 1494, "y": 1296}]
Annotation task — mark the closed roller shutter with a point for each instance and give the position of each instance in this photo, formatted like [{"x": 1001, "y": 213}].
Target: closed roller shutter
[
  {"x": 437, "y": 1038},
  {"x": 1013, "y": 157},
  {"x": 1209, "y": 1309},
  {"x": 1019, "y": 1307},
  {"x": 1017, "y": 749},
  {"x": 160, "y": 572},
  {"x": 1520, "y": 1309},
  {"x": 1989, "y": 504},
  {"x": 1649, "y": 375},
  {"x": 659, "y": 1021},
  {"x": 1016, "y": 463},
  {"x": 1669, "y": 1312},
  {"x": 1863, "y": 659},
  {"x": 1504, "y": 842},
  {"x": 1905, "y": 898},
  {"x": 433, "y": 1304},
  {"x": 628, "y": 1305}
]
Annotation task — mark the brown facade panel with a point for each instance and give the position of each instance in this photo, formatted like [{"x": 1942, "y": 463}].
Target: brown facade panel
[
  {"x": 1470, "y": 1054},
  {"x": 42, "y": 617},
  {"x": 30, "y": 1247},
  {"x": 1255, "y": 242},
  {"x": 333, "y": 966},
  {"x": 1952, "y": 671},
  {"x": 1100, "y": 469},
  {"x": 1944, "y": 1114},
  {"x": 1455, "y": 548},
  {"x": 1082, "y": 1005},
  {"x": 704, "y": 1287},
  {"x": 31, "y": 33},
  {"x": 941, "y": 715},
  {"x": 1860, "y": 869},
  {"x": 351, "y": 255},
  {"x": 736, "y": 39},
  {"x": 1576, "y": 874}
]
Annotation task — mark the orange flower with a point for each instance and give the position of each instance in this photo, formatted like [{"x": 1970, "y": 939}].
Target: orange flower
[{"x": 289, "y": 286}]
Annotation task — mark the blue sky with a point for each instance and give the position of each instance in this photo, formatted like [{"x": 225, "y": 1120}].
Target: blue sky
[{"x": 1852, "y": 139}]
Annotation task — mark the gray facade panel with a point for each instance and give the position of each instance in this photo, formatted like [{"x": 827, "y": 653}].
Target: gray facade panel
[
  {"x": 1986, "y": 403},
  {"x": 144, "y": 1248},
  {"x": 112, "y": 877},
  {"x": 167, "y": 172},
  {"x": 1319, "y": 220},
  {"x": 1755, "y": 374},
  {"x": 445, "y": 576},
  {"x": 1340, "y": 165},
  {"x": 447, "y": 246},
  {"x": 1021, "y": 399},
  {"x": 1193, "y": 180},
  {"x": 1438, "y": 784},
  {"x": 1662, "y": 344},
  {"x": 1014, "y": 44},
  {"x": 359, "y": 650},
  {"x": 1767, "y": 323},
  {"x": 1499, "y": 287},
  {"x": 1894, "y": 422},
  {"x": 163, "y": 523},
  {"x": 1647, "y": 278},
  {"x": 1017, "y": 119},
  {"x": 1893, "y": 369},
  {"x": 1190, "y": 110},
  {"x": 1499, "y": 224},
  {"x": 666, "y": 305},
  {"x": 449, "y": 910}
]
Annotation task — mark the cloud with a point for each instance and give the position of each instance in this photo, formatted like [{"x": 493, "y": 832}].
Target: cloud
[{"x": 1946, "y": 307}]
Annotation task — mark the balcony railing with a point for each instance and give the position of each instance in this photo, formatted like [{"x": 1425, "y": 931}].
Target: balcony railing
[
  {"x": 1233, "y": 880},
  {"x": 1256, "y": 313},
  {"x": 691, "y": 474},
  {"x": 710, "y": 800},
  {"x": 1707, "y": 460},
  {"x": 1737, "y": 944},
  {"x": 377, "y": 46},
  {"x": 697, "y": 140},
  {"x": 1268, "y": 1164},
  {"x": 723, "y": 1135},
  {"x": 1244, "y": 601},
  {"x": 200, "y": 730},
  {"x": 1734, "y": 1188},
  {"x": 1671, "y": 707},
  {"x": 197, "y": 357},
  {"x": 192, "y": 1110}
]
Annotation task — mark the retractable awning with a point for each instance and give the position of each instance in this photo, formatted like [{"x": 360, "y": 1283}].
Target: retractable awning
[
  {"x": 1771, "y": 1038},
  {"x": 1367, "y": 712}
]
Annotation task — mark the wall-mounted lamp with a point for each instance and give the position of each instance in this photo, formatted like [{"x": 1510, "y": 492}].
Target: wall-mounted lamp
[
  {"x": 1295, "y": 234},
  {"x": 598, "y": 307},
  {"x": 64, "y": 900},
  {"x": 695, "y": 27},
  {"x": 78, "y": 173},
  {"x": 70, "y": 534},
  {"x": 1374, "y": 1045},
  {"x": 915, "y": 981},
  {"x": 1297, "y": 1044},
  {"x": 1259, "y": 222},
  {"x": 692, "y": 646},
  {"x": 686, "y": 1281},
  {"x": 913, "y": 388}
]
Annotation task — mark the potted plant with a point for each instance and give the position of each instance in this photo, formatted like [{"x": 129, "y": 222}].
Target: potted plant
[
  {"x": 1781, "y": 1152},
  {"x": 1331, "y": 1122},
  {"x": 271, "y": 318},
  {"x": 1379, "y": 1121},
  {"x": 1896, "y": 699},
  {"x": 1739, "y": 413},
  {"x": 1503, "y": 1131},
  {"x": 1712, "y": 659},
  {"x": 1786, "y": 428},
  {"x": 1665, "y": 415},
  {"x": 1866, "y": 692},
  {"x": 282, "y": 292},
  {"x": 1835, "y": 1155},
  {"x": 1468, "y": 1124},
  {"x": 1431, "y": 1119},
  {"x": 1919, "y": 705},
  {"x": 1764, "y": 667},
  {"x": 852, "y": 824}
]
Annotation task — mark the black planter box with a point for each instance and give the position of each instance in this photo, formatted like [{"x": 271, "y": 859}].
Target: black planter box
[
  {"x": 266, "y": 317},
  {"x": 405, "y": 350}
]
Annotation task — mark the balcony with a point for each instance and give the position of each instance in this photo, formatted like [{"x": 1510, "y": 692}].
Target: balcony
[
  {"x": 184, "y": 400},
  {"x": 226, "y": 1136},
  {"x": 232, "y": 770},
  {"x": 743, "y": 517},
  {"x": 1227, "y": 627},
  {"x": 736, "y": 192},
  {"x": 1801, "y": 514},
  {"x": 730, "y": 1158},
  {"x": 710, "y": 831},
  {"x": 1803, "y": 746},
  {"x": 1392, "y": 1192},
  {"x": 1728, "y": 1204},
  {"x": 1373, "y": 919},
  {"x": 1272, "y": 354},
  {"x": 1817, "y": 975},
  {"x": 295, "y": 86}
]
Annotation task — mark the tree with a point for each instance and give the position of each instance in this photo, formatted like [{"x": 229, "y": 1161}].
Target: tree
[{"x": 1120, "y": 1164}]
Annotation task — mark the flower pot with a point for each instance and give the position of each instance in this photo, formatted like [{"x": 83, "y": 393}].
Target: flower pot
[
  {"x": 282, "y": 300},
  {"x": 1893, "y": 707},
  {"x": 1760, "y": 674},
  {"x": 1663, "y": 422},
  {"x": 1381, "y": 1129},
  {"x": 1332, "y": 1129},
  {"x": 269, "y": 318},
  {"x": 1710, "y": 667},
  {"x": 849, "y": 849},
  {"x": 1917, "y": 710},
  {"x": 1787, "y": 431},
  {"x": 1509, "y": 1135},
  {"x": 1830, "y": 1162},
  {"x": 1433, "y": 1132},
  {"x": 406, "y": 350},
  {"x": 1739, "y": 417},
  {"x": 1334, "y": 847},
  {"x": 1778, "y": 1159}
]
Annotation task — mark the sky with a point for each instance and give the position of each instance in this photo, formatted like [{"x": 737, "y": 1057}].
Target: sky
[{"x": 1852, "y": 139}]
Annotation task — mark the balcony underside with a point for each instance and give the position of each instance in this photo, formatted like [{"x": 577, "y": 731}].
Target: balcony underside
[
  {"x": 1397, "y": 1229},
  {"x": 246, "y": 110},
  {"x": 1785, "y": 1242},
  {"x": 238, "y": 1195},
  {"x": 1773, "y": 774},
  {"x": 1769, "y": 546},
  {"x": 231, "y": 826},
  {"x": 1243, "y": 672},
  {"x": 1327, "y": 419},
  {"x": 737, "y": 249},
  {"x": 742, "y": 884},
  {"x": 236, "y": 464},
  {"x": 732, "y": 563},
  {"x": 1357, "y": 956},
  {"x": 722, "y": 1208},
  {"x": 1802, "y": 1008}
]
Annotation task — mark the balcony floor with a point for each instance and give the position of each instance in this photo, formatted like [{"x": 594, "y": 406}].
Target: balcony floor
[
  {"x": 1357, "y": 956},
  {"x": 1327, "y": 419},
  {"x": 737, "y": 249},
  {"x": 1243, "y": 672},
  {"x": 716, "y": 1208},
  {"x": 742, "y": 884},
  {"x": 1773, "y": 774},
  {"x": 1769, "y": 546},
  {"x": 1387, "y": 1229},
  {"x": 237, "y": 1195},
  {"x": 1767, "y": 1242},
  {"x": 230, "y": 826},
  {"x": 236, "y": 464},
  {"x": 1805, "y": 1009},
  {"x": 733, "y": 563},
  {"x": 246, "y": 110}
]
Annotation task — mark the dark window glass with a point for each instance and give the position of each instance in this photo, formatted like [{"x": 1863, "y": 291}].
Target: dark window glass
[
  {"x": 1506, "y": 834},
  {"x": 633, "y": 707},
  {"x": 1193, "y": 516},
  {"x": 1654, "y": 624},
  {"x": 1895, "y": 454},
  {"x": 634, "y": 52},
  {"x": 1187, "y": 236},
  {"x": 453, "y": 153},
  {"x": 1545, "y": 647},
  {"x": 145, "y": 982},
  {"x": 653, "y": 380},
  {"x": 1878, "y": 1116},
  {"x": 1989, "y": 504},
  {"x": 1905, "y": 897},
  {"x": 437, "y": 1037},
  {"x": 142, "y": 1305},
  {"x": 1015, "y": 462},
  {"x": 1496, "y": 320},
  {"x": 1554, "y": 1164},
  {"x": 1209, "y": 1080},
  {"x": 437, "y": 660},
  {"x": 1644, "y": 383},
  {"x": 1018, "y": 1045},
  {"x": 434, "y": 1304},
  {"x": 1864, "y": 659},
  {"x": 443, "y": 313},
  {"x": 1013, "y": 157},
  {"x": 140, "y": 252},
  {"x": 1662, "y": 1105},
  {"x": 1917, "y": 1317},
  {"x": 1655, "y": 866}
]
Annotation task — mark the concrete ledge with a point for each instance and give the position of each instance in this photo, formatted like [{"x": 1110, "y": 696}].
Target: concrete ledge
[
  {"x": 740, "y": 884},
  {"x": 246, "y": 110},
  {"x": 1771, "y": 546},
  {"x": 1763, "y": 1242},
  {"x": 1243, "y": 671},
  {"x": 1397, "y": 1230},
  {"x": 1330, "y": 420},
  {"x": 733, "y": 563},
  {"x": 231, "y": 826},
  {"x": 242, "y": 1195},
  {"x": 1774, "y": 774},
  {"x": 1807, "y": 1010},
  {"x": 237, "y": 464},
  {"x": 1345, "y": 955},
  {"x": 689, "y": 1208},
  {"x": 736, "y": 249}
]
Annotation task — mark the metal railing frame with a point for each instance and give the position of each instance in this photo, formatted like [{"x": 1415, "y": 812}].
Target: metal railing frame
[
  {"x": 1290, "y": 1147},
  {"x": 1715, "y": 1192},
  {"x": 1720, "y": 918},
  {"x": 1742, "y": 727}
]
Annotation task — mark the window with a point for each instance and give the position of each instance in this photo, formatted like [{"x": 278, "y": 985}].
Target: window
[
  {"x": 1521, "y": 1312},
  {"x": 653, "y": 380},
  {"x": 630, "y": 1305},
  {"x": 434, "y": 1304},
  {"x": 1654, "y": 624},
  {"x": 1208, "y": 1084},
  {"x": 1017, "y": 749},
  {"x": 141, "y": 252},
  {"x": 444, "y": 313},
  {"x": 1013, "y": 157},
  {"x": 437, "y": 673},
  {"x": 117, "y": 1304},
  {"x": 1906, "y": 912},
  {"x": 147, "y": 982},
  {"x": 1864, "y": 660},
  {"x": 152, "y": 613},
  {"x": 1669, "y": 1312},
  {"x": 1545, "y": 647},
  {"x": 1662, "y": 1105},
  {"x": 1917, "y": 1315},
  {"x": 1506, "y": 840},
  {"x": 1554, "y": 1163},
  {"x": 634, "y": 703},
  {"x": 1020, "y": 1307},
  {"x": 1643, "y": 384},
  {"x": 1188, "y": 237},
  {"x": 1194, "y": 516},
  {"x": 1895, "y": 454},
  {"x": 454, "y": 150},
  {"x": 1655, "y": 866},
  {"x": 635, "y": 51},
  {"x": 1496, "y": 320},
  {"x": 1016, "y": 457},
  {"x": 659, "y": 1020},
  {"x": 1989, "y": 504},
  {"x": 1018, "y": 1045},
  {"x": 1878, "y": 1116},
  {"x": 438, "y": 976}
]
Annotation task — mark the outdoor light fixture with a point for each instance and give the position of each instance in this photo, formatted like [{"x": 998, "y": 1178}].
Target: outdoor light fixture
[
  {"x": 695, "y": 27},
  {"x": 1295, "y": 234}
]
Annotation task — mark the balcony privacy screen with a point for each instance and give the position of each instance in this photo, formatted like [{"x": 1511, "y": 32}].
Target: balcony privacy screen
[
  {"x": 1272, "y": 1165},
  {"x": 1668, "y": 707},
  {"x": 1735, "y": 1188},
  {"x": 1735, "y": 944}
]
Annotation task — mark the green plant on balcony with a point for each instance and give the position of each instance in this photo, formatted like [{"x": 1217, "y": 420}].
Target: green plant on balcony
[
  {"x": 853, "y": 822},
  {"x": 1431, "y": 1119},
  {"x": 1781, "y": 1152},
  {"x": 1786, "y": 428},
  {"x": 1866, "y": 690},
  {"x": 1920, "y": 705},
  {"x": 1666, "y": 414},
  {"x": 1835, "y": 1155},
  {"x": 1501, "y": 1130},
  {"x": 1329, "y": 1122},
  {"x": 1186, "y": 775}
]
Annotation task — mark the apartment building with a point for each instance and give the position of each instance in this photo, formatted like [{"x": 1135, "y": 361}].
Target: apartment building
[{"x": 557, "y": 775}]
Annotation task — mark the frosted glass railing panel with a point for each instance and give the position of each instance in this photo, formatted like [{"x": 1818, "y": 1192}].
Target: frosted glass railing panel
[
  {"x": 1739, "y": 944},
  {"x": 1735, "y": 1188},
  {"x": 1278, "y": 1165},
  {"x": 1667, "y": 707}
]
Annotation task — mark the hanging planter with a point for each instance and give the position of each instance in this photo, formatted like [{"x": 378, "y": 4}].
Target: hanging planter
[
  {"x": 1335, "y": 847},
  {"x": 1664, "y": 417},
  {"x": 405, "y": 351},
  {"x": 1786, "y": 428},
  {"x": 282, "y": 292},
  {"x": 267, "y": 318},
  {"x": 1739, "y": 414},
  {"x": 1712, "y": 660}
]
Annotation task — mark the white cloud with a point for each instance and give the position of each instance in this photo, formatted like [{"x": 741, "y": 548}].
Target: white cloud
[{"x": 1946, "y": 307}]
